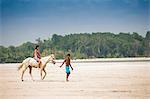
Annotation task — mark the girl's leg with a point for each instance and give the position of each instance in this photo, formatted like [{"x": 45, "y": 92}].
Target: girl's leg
[{"x": 39, "y": 63}]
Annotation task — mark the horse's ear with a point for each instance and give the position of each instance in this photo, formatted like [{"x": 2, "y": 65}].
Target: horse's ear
[{"x": 52, "y": 53}]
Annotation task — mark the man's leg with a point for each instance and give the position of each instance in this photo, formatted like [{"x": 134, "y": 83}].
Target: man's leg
[{"x": 67, "y": 76}]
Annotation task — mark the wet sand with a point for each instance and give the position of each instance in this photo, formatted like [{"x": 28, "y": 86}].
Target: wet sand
[{"x": 91, "y": 80}]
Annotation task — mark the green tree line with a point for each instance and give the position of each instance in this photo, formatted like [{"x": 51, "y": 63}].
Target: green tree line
[{"x": 83, "y": 45}]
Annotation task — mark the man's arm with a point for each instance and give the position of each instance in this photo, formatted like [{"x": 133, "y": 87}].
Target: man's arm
[
  {"x": 71, "y": 67},
  {"x": 62, "y": 63}
]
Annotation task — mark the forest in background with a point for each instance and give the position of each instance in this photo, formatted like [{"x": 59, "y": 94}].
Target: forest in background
[{"x": 82, "y": 46}]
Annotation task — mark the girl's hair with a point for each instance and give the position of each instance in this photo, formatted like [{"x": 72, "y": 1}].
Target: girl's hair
[{"x": 36, "y": 46}]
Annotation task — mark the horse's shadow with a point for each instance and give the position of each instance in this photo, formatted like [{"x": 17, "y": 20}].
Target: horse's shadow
[
  {"x": 49, "y": 81},
  {"x": 46, "y": 81}
]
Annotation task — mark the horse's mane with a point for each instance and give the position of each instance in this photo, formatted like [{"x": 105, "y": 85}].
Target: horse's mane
[{"x": 46, "y": 57}]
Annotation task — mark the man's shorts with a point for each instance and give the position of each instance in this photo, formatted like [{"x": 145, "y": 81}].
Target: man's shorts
[{"x": 67, "y": 70}]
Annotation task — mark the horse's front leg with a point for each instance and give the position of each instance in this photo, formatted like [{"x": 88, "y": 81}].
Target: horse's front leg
[
  {"x": 45, "y": 74},
  {"x": 30, "y": 72},
  {"x": 41, "y": 73}
]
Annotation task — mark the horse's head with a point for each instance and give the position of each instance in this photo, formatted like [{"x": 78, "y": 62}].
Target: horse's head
[{"x": 53, "y": 57}]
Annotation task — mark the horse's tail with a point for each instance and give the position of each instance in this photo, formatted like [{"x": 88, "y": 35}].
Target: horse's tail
[{"x": 20, "y": 66}]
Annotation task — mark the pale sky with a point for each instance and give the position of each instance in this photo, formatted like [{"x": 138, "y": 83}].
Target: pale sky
[{"x": 26, "y": 20}]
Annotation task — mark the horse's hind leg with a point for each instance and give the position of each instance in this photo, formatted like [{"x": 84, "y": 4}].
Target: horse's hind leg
[
  {"x": 45, "y": 73},
  {"x": 30, "y": 72},
  {"x": 41, "y": 73}
]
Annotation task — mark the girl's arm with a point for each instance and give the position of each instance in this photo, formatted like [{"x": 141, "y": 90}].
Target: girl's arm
[
  {"x": 34, "y": 53},
  {"x": 39, "y": 55}
]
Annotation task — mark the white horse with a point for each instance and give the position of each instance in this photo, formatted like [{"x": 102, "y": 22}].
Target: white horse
[{"x": 31, "y": 62}]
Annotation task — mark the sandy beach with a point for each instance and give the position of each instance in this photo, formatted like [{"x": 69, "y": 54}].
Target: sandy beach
[{"x": 89, "y": 80}]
